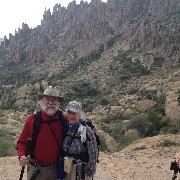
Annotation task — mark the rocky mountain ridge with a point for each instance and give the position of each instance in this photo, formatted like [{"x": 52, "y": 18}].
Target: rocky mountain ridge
[{"x": 148, "y": 25}]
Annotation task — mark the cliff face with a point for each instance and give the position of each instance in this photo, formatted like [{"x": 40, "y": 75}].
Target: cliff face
[
  {"x": 122, "y": 52},
  {"x": 148, "y": 25}
]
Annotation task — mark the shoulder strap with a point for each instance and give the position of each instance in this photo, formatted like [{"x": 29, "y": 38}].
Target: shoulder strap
[
  {"x": 37, "y": 126},
  {"x": 63, "y": 119},
  {"x": 71, "y": 139}
]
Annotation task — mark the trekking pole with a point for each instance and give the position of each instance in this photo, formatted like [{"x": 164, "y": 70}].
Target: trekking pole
[{"x": 26, "y": 154}]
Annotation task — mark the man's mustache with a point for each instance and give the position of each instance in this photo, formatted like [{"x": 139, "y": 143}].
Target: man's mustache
[{"x": 51, "y": 107}]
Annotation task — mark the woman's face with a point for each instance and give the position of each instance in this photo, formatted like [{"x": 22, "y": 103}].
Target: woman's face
[{"x": 73, "y": 117}]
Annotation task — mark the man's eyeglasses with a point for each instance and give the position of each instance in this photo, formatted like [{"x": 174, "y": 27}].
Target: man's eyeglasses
[{"x": 48, "y": 100}]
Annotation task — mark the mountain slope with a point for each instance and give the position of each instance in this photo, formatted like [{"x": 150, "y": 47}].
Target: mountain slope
[{"x": 102, "y": 46}]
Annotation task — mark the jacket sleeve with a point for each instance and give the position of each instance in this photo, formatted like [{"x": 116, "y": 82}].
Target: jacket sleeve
[
  {"x": 25, "y": 134},
  {"x": 90, "y": 167}
]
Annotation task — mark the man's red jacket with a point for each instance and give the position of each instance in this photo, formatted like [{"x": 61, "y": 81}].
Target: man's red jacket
[{"x": 46, "y": 150}]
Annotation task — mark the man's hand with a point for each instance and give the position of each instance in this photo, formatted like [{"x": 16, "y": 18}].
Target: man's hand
[
  {"x": 23, "y": 161},
  {"x": 95, "y": 129}
]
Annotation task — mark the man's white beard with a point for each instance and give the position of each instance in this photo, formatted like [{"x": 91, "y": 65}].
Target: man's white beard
[{"x": 50, "y": 110}]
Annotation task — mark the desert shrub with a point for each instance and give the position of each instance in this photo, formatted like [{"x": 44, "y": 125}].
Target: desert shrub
[
  {"x": 104, "y": 101},
  {"x": 167, "y": 143},
  {"x": 151, "y": 124},
  {"x": 144, "y": 92},
  {"x": 4, "y": 132},
  {"x": 130, "y": 136},
  {"x": 169, "y": 128},
  {"x": 158, "y": 61},
  {"x": 112, "y": 40},
  {"x": 124, "y": 68},
  {"x": 7, "y": 106},
  {"x": 89, "y": 104},
  {"x": 3, "y": 121},
  {"x": 103, "y": 146},
  {"x": 118, "y": 132},
  {"x": 140, "y": 122},
  {"x": 84, "y": 89},
  {"x": 7, "y": 147},
  {"x": 106, "y": 128},
  {"x": 160, "y": 108},
  {"x": 178, "y": 99},
  {"x": 132, "y": 91},
  {"x": 156, "y": 122}
]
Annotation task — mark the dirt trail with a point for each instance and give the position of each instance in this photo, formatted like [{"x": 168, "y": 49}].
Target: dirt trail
[{"x": 145, "y": 164}]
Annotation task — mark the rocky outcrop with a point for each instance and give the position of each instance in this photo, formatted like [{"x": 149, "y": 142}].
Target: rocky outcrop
[
  {"x": 26, "y": 95},
  {"x": 142, "y": 24},
  {"x": 110, "y": 142}
]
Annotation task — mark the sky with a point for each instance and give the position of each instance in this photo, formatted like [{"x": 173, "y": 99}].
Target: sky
[{"x": 14, "y": 12}]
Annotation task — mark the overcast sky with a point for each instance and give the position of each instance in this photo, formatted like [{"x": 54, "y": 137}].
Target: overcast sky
[{"x": 14, "y": 12}]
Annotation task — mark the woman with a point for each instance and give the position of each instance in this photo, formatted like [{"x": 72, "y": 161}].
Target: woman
[{"x": 79, "y": 146}]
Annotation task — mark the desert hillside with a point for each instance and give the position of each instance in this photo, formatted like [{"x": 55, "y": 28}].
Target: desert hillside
[{"x": 147, "y": 159}]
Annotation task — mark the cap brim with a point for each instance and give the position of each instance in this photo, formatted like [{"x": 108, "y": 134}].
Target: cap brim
[
  {"x": 73, "y": 110},
  {"x": 60, "y": 98}
]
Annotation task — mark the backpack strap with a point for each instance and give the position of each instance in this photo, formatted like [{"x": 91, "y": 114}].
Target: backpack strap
[
  {"x": 37, "y": 126},
  {"x": 71, "y": 139},
  {"x": 63, "y": 119}
]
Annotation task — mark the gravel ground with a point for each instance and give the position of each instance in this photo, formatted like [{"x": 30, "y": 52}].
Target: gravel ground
[{"x": 147, "y": 164}]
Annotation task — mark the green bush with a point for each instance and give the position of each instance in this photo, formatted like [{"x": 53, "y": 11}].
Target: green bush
[
  {"x": 132, "y": 91},
  {"x": 158, "y": 61},
  {"x": 106, "y": 128},
  {"x": 112, "y": 40},
  {"x": 7, "y": 106},
  {"x": 129, "y": 137},
  {"x": 84, "y": 89},
  {"x": 168, "y": 143},
  {"x": 140, "y": 122},
  {"x": 118, "y": 132},
  {"x": 103, "y": 146},
  {"x": 7, "y": 148},
  {"x": 3, "y": 121},
  {"x": 104, "y": 101}
]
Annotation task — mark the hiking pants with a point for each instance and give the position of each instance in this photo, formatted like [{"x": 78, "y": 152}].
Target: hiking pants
[{"x": 46, "y": 173}]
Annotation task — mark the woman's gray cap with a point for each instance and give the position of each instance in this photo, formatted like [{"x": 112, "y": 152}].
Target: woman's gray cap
[
  {"x": 74, "y": 106},
  {"x": 51, "y": 92}
]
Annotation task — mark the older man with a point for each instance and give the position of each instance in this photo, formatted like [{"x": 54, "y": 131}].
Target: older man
[{"x": 46, "y": 147}]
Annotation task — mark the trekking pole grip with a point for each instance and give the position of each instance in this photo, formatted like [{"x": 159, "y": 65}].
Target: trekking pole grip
[{"x": 26, "y": 154}]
